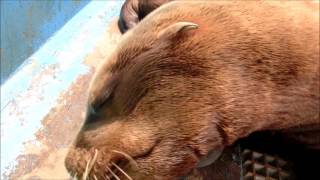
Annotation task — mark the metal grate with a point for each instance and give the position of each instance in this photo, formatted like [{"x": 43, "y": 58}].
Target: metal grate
[{"x": 259, "y": 166}]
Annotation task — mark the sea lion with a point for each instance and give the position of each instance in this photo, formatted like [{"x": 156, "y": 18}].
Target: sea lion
[
  {"x": 192, "y": 78},
  {"x": 133, "y": 11}
]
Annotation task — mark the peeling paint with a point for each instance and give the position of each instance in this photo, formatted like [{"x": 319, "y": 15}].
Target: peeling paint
[
  {"x": 61, "y": 124},
  {"x": 42, "y": 104},
  {"x": 55, "y": 135}
]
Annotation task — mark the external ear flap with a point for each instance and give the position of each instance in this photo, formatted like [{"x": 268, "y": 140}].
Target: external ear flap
[{"x": 176, "y": 28}]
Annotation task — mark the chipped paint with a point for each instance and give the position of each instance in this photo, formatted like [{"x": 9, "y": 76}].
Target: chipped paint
[
  {"x": 58, "y": 130},
  {"x": 42, "y": 103}
]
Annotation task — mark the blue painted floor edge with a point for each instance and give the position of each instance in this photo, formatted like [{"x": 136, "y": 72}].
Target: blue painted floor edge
[{"x": 33, "y": 90}]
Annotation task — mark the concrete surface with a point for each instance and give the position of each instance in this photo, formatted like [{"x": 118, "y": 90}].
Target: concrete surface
[
  {"x": 26, "y": 25},
  {"x": 42, "y": 104}
]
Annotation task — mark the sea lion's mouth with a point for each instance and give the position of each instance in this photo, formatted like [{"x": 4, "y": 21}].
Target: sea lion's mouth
[
  {"x": 118, "y": 165},
  {"x": 115, "y": 169},
  {"x": 110, "y": 165}
]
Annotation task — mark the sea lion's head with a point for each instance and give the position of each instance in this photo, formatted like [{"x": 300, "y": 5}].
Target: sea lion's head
[{"x": 149, "y": 114}]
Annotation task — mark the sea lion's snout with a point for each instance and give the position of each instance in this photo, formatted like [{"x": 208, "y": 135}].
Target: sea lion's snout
[{"x": 91, "y": 164}]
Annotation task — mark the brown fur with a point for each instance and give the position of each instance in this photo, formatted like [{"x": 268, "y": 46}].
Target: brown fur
[{"x": 168, "y": 101}]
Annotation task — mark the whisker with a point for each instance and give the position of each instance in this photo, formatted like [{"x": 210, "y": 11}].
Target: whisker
[
  {"x": 107, "y": 177},
  {"x": 113, "y": 174},
  {"x": 85, "y": 174},
  {"x": 89, "y": 165},
  {"x": 74, "y": 177},
  {"x": 128, "y": 157},
  {"x": 95, "y": 177},
  {"x": 121, "y": 170}
]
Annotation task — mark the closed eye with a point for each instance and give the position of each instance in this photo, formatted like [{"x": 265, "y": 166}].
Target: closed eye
[
  {"x": 107, "y": 94},
  {"x": 95, "y": 112},
  {"x": 101, "y": 102}
]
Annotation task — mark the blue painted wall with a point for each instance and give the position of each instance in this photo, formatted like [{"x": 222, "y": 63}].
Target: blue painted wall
[{"x": 27, "y": 24}]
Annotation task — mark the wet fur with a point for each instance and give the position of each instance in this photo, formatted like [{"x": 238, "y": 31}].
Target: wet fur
[{"x": 167, "y": 102}]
